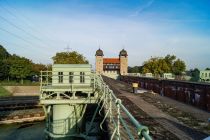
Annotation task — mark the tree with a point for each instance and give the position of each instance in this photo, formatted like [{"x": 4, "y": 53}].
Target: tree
[
  {"x": 3, "y": 53},
  {"x": 20, "y": 67},
  {"x": 135, "y": 69},
  {"x": 156, "y": 65},
  {"x": 37, "y": 68},
  {"x": 169, "y": 59},
  {"x": 195, "y": 74},
  {"x": 69, "y": 58},
  {"x": 4, "y": 69},
  {"x": 178, "y": 67},
  {"x": 150, "y": 66},
  {"x": 4, "y": 66},
  {"x": 160, "y": 65}
]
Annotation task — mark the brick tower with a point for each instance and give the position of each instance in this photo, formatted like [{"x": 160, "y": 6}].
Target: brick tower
[
  {"x": 123, "y": 62},
  {"x": 99, "y": 61}
]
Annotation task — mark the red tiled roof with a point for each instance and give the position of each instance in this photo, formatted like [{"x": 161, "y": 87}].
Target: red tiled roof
[{"x": 111, "y": 60}]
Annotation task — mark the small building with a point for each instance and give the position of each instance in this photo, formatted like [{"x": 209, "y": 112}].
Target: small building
[
  {"x": 148, "y": 75},
  {"x": 112, "y": 67},
  {"x": 68, "y": 78},
  {"x": 205, "y": 76},
  {"x": 67, "y": 74},
  {"x": 168, "y": 76}
]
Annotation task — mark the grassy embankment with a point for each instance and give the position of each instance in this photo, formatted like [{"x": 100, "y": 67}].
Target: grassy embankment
[
  {"x": 17, "y": 83},
  {"x": 4, "y": 92}
]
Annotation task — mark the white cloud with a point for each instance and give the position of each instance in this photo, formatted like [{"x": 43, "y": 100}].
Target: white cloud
[{"x": 84, "y": 33}]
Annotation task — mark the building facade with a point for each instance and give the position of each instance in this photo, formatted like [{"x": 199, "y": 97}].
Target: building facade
[
  {"x": 205, "y": 76},
  {"x": 112, "y": 67}
]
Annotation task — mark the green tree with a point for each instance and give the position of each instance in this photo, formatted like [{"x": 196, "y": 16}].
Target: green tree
[
  {"x": 195, "y": 74},
  {"x": 178, "y": 67},
  {"x": 163, "y": 67},
  {"x": 135, "y": 69},
  {"x": 4, "y": 69},
  {"x": 169, "y": 59},
  {"x": 69, "y": 58},
  {"x": 38, "y": 67},
  {"x": 20, "y": 67},
  {"x": 4, "y": 66},
  {"x": 160, "y": 65},
  {"x": 3, "y": 53},
  {"x": 151, "y": 66}
]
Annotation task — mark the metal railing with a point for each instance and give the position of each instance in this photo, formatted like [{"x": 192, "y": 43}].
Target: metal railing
[
  {"x": 48, "y": 78},
  {"x": 120, "y": 119},
  {"x": 116, "y": 113}
]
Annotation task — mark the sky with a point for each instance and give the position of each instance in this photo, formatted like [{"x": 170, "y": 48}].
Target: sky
[{"x": 37, "y": 29}]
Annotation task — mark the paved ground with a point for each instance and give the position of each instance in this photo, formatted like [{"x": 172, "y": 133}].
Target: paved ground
[{"x": 166, "y": 112}]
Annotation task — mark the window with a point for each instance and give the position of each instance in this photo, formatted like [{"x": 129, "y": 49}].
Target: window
[
  {"x": 82, "y": 77},
  {"x": 205, "y": 74},
  {"x": 71, "y": 76},
  {"x": 60, "y": 77}
]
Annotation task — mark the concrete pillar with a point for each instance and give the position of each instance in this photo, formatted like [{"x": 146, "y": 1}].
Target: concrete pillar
[
  {"x": 62, "y": 118},
  {"x": 67, "y": 119}
]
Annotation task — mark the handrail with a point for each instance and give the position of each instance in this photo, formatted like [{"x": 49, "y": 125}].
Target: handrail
[
  {"x": 143, "y": 131},
  {"x": 110, "y": 104}
]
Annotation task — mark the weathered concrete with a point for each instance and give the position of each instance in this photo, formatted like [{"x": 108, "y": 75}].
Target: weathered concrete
[{"x": 23, "y": 90}]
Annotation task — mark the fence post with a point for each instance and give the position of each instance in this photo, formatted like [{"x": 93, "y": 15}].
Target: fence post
[
  {"x": 110, "y": 106},
  {"x": 118, "y": 102}
]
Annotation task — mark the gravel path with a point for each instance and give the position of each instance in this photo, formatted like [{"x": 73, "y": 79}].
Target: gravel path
[{"x": 171, "y": 122}]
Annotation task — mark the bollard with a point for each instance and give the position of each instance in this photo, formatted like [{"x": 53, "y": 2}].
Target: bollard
[{"x": 135, "y": 87}]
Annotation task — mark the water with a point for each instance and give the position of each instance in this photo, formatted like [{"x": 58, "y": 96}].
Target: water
[{"x": 23, "y": 131}]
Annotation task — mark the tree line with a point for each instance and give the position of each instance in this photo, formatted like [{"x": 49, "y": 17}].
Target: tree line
[
  {"x": 14, "y": 67},
  {"x": 160, "y": 65}
]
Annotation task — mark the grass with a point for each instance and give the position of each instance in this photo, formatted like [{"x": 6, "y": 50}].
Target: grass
[
  {"x": 4, "y": 92},
  {"x": 15, "y": 83}
]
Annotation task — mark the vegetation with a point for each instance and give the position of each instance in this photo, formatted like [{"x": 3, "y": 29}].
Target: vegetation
[
  {"x": 20, "y": 67},
  {"x": 69, "y": 58},
  {"x": 194, "y": 74},
  {"x": 4, "y": 92},
  {"x": 16, "y": 68},
  {"x": 160, "y": 65},
  {"x": 135, "y": 69}
]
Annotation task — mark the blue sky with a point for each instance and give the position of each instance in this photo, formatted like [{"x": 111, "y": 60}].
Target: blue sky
[{"x": 38, "y": 29}]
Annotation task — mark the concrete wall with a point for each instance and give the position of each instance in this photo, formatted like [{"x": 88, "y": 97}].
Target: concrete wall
[{"x": 23, "y": 90}]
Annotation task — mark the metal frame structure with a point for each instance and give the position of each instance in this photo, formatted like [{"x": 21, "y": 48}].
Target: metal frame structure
[{"x": 63, "y": 99}]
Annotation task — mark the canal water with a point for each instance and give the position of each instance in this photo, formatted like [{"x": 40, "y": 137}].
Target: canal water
[{"x": 23, "y": 131}]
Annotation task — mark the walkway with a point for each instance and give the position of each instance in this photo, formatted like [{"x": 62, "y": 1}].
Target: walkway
[{"x": 163, "y": 118}]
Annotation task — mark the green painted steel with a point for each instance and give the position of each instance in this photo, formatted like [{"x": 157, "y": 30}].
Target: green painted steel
[
  {"x": 65, "y": 93},
  {"x": 142, "y": 131}
]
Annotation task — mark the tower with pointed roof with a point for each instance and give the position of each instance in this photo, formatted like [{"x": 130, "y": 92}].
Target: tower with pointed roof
[
  {"x": 123, "y": 62},
  {"x": 99, "y": 61}
]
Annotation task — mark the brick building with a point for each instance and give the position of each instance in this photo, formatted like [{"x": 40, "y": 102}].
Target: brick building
[{"x": 112, "y": 67}]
